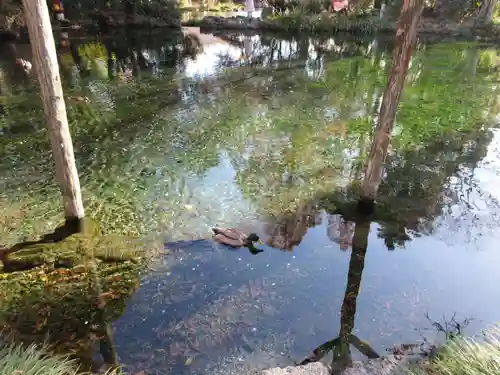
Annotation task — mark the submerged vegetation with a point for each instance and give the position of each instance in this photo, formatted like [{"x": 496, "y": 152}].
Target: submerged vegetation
[{"x": 131, "y": 191}]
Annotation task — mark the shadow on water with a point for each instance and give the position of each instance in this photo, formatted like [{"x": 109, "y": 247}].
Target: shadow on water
[{"x": 176, "y": 134}]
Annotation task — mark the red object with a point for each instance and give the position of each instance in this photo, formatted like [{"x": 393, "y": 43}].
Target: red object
[
  {"x": 339, "y": 4},
  {"x": 57, "y": 6}
]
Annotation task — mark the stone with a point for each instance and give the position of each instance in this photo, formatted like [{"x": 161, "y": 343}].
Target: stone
[
  {"x": 315, "y": 368},
  {"x": 390, "y": 365}
]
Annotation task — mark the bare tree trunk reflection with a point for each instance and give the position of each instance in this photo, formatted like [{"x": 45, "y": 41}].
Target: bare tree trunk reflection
[
  {"x": 341, "y": 345},
  {"x": 405, "y": 39},
  {"x": 342, "y": 353},
  {"x": 107, "y": 347}
]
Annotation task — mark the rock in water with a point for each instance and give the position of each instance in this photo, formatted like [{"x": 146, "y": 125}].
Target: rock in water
[
  {"x": 391, "y": 365},
  {"x": 316, "y": 368}
]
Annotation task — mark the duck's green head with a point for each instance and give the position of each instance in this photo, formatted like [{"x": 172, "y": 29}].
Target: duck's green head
[{"x": 252, "y": 237}]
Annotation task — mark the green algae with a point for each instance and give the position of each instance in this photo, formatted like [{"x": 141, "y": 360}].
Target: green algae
[{"x": 64, "y": 293}]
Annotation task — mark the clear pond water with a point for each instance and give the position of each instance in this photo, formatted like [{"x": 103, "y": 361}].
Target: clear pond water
[{"x": 270, "y": 135}]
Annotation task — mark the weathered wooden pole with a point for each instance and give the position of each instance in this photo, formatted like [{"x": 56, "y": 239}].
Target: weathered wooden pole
[
  {"x": 47, "y": 69},
  {"x": 406, "y": 32}
]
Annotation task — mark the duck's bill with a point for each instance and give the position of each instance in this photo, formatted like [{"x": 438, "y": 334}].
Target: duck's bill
[{"x": 260, "y": 241}]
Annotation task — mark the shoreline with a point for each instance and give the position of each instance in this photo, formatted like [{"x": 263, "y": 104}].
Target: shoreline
[
  {"x": 323, "y": 27},
  {"x": 427, "y": 28}
]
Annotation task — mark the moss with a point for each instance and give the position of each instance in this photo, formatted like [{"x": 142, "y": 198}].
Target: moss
[
  {"x": 73, "y": 250},
  {"x": 56, "y": 290},
  {"x": 62, "y": 304}
]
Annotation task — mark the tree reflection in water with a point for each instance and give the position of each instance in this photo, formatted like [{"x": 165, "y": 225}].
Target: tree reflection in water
[{"x": 340, "y": 346}]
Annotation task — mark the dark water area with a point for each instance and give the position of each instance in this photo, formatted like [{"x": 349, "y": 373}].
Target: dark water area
[{"x": 174, "y": 134}]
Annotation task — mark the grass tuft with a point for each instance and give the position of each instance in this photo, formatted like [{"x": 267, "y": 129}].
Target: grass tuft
[
  {"x": 467, "y": 356},
  {"x": 37, "y": 360},
  {"x": 33, "y": 360}
]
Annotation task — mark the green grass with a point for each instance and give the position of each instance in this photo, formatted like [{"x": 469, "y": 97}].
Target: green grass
[
  {"x": 467, "y": 356},
  {"x": 299, "y": 21},
  {"x": 31, "y": 361},
  {"x": 36, "y": 360}
]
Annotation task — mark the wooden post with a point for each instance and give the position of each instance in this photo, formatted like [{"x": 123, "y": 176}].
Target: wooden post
[
  {"x": 47, "y": 68},
  {"x": 486, "y": 11},
  {"x": 405, "y": 38}
]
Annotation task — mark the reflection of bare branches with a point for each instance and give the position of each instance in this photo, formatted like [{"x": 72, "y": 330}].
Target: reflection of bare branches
[
  {"x": 288, "y": 232},
  {"x": 340, "y": 231}
]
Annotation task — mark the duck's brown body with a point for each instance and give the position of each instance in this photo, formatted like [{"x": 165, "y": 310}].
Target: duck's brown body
[{"x": 231, "y": 237}]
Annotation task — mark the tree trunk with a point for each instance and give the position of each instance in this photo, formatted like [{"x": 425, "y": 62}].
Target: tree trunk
[
  {"x": 3, "y": 17},
  {"x": 485, "y": 14},
  {"x": 405, "y": 39},
  {"x": 130, "y": 9},
  {"x": 47, "y": 69}
]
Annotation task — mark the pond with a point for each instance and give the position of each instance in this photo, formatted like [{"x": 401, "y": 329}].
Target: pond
[{"x": 271, "y": 135}]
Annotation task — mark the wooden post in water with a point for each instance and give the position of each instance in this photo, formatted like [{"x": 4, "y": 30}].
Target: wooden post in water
[
  {"x": 405, "y": 38},
  {"x": 47, "y": 69}
]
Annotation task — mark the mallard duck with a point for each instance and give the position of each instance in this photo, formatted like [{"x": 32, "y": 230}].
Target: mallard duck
[{"x": 236, "y": 238}]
